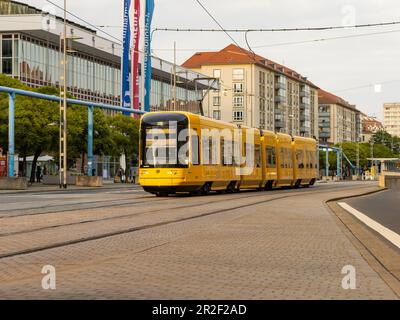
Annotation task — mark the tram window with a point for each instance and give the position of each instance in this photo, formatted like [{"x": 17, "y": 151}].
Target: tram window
[
  {"x": 211, "y": 153},
  {"x": 271, "y": 157},
  {"x": 195, "y": 149},
  {"x": 288, "y": 156},
  {"x": 282, "y": 158},
  {"x": 299, "y": 159},
  {"x": 226, "y": 152},
  {"x": 311, "y": 159},
  {"x": 237, "y": 154},
  {"x": 257, "y": 155},
  {"x": 160, "y": 147},
  {"x": 249, "y": 149}
]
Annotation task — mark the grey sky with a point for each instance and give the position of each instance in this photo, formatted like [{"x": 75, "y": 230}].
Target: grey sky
[{"x": 335, "y": 65}]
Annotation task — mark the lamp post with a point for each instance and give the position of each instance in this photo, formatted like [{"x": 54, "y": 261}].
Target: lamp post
[{"x": 63, "y": 109}]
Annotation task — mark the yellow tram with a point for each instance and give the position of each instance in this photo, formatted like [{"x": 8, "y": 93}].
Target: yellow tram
[{"x": 184, "y": 152}]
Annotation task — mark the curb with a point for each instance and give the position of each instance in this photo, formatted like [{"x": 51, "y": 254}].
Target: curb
[
  {"x": 68, "y": 190},
  {"x": 378, "y": 253}
]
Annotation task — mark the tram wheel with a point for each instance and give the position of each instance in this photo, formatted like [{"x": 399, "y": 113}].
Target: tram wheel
[
  {"x": 206, "y": 189},
  {"x": 162, "y": 194},
  {"x": 231, "y": 188}
]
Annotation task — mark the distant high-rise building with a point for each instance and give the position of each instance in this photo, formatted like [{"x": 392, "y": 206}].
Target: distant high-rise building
[{"x": 391, "y": 118}]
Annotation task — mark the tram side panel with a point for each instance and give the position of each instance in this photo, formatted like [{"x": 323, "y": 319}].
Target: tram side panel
[
  {"x": 251, "y": 168},
  {"x": 269, "y": 160},
  {"x": 285, "y": 160}
]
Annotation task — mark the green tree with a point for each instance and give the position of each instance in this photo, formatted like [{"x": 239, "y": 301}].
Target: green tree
[
  {"x": 382, "y": 137},
  {"x": 125, "y": 137},
  {"x": 37, "y": 128},
  {"x": 36, "y": 125}
]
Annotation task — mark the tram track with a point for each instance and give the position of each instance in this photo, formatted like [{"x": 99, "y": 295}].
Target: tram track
[
  {"x": 103, "y": 235},
  {"x": 118, "y": 216},
  {"x": 82, "y": 206}
]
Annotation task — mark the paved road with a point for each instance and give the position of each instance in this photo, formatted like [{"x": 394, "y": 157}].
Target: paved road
[
  {"x": 282, "y": 244},
  {"x": 383, "y": 207}
]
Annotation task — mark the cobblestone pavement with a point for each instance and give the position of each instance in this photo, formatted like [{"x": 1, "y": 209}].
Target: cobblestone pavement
[{"x": 253, "y": 245}]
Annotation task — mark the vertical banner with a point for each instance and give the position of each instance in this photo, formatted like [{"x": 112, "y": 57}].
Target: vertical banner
[
  {"x": 147, "y": 53},
  {"x": 135, "y": 56},
  {"x": 126, "y": 39}
]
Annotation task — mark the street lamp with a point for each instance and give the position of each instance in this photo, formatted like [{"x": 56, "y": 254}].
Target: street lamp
[{"x": 63, "y": 110}]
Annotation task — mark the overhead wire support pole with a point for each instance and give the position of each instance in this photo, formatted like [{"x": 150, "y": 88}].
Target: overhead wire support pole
[
  {"x": 11, "y": 133},
  {"x": 327, "y": 162},
  {"x": 63, "y": 165},
  {"x": 174, "y": 72},
  {"x": 90, "y": 141}
]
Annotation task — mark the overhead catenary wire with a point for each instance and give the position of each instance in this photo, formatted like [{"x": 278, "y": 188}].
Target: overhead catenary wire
[
  {"x": 85, "y": 21},
  {"x": 279, "y": 44},
  {"x": 226, "y": 32},
  {"x": 324, "y": 28},
  {"x": 370, "y": 85}
]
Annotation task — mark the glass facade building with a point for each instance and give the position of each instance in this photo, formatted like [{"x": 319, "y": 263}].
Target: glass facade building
[
  {"x": 37, "y": 63},
  {"x": 30, "y": 52}
]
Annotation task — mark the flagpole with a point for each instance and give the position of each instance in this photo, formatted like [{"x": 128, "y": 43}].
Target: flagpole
[{"x": 143, "y": 33}]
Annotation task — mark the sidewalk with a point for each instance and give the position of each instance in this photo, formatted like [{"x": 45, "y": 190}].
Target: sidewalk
[{"x": 40, "y": 187}]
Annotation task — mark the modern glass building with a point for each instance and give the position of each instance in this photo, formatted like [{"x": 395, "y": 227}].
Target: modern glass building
[{"x": 30, "y": 51}]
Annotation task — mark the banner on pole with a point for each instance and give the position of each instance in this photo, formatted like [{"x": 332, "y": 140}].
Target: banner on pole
[
  {"x": 135, "y": 56},
  {"x": 147, "y": 53},
  {"x": 126, "y": 39}
]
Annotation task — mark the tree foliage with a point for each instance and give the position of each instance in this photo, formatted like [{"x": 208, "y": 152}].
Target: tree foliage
[{"x": 37, "y": 127}]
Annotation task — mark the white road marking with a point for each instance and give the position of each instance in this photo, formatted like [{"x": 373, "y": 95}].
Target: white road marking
[{"x": 390, "y": 235}]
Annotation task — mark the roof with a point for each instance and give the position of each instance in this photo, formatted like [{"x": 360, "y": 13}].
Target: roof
[
  {"x": 232, "y": 54},
  {"x": 9, "y": 7},
  {"x": 325, "y": 97}
]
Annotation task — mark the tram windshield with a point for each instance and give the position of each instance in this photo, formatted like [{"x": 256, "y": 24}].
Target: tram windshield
[{"x": 162, "y": 137}]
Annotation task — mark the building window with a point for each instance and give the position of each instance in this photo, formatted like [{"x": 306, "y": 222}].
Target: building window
[
  {"x": 217, "y": 73},
  {"x": 237, "y": 115},
  {"x": 7, "y": 56},
  {"x": 238, "y": 101},
  {"x": 238, "y": 88},
  {"x": 217, "y": 114},
  {"x": 216, "y": 101},
  {"x": 238, "y": 74},
  {"x": 262, "y": 77}
]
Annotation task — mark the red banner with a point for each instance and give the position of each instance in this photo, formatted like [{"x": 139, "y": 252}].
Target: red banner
[
  {"x": 3, "y": 166},
  {"x": 135, "y": 56}
]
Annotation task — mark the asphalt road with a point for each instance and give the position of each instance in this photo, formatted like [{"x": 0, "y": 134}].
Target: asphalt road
[{"x": 383, "y": 207}]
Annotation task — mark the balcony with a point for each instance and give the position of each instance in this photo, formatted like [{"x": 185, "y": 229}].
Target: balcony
[
  {"x": 324, "y": 124},
  {"x": 304, "y": 94},
  {"x": 280, "y": 85},
  {"x": 305, "y": 117},
  {"x": 324, "y": 114},
  {"x": 279, "y": 123},
  {"x": 324, "y": 134},
  {"x": 280, "y": 99},
  {"x": 305, "y": 106},
  {"x": 304, "y": 129}
]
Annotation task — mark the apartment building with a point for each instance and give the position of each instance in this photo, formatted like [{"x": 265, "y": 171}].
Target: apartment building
[
  {"x": 257, "y": 92},
  {"x": 370, "y": 126},
  {"x": 339, "y": 121},
  {"x": 391, "y": 118}
]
